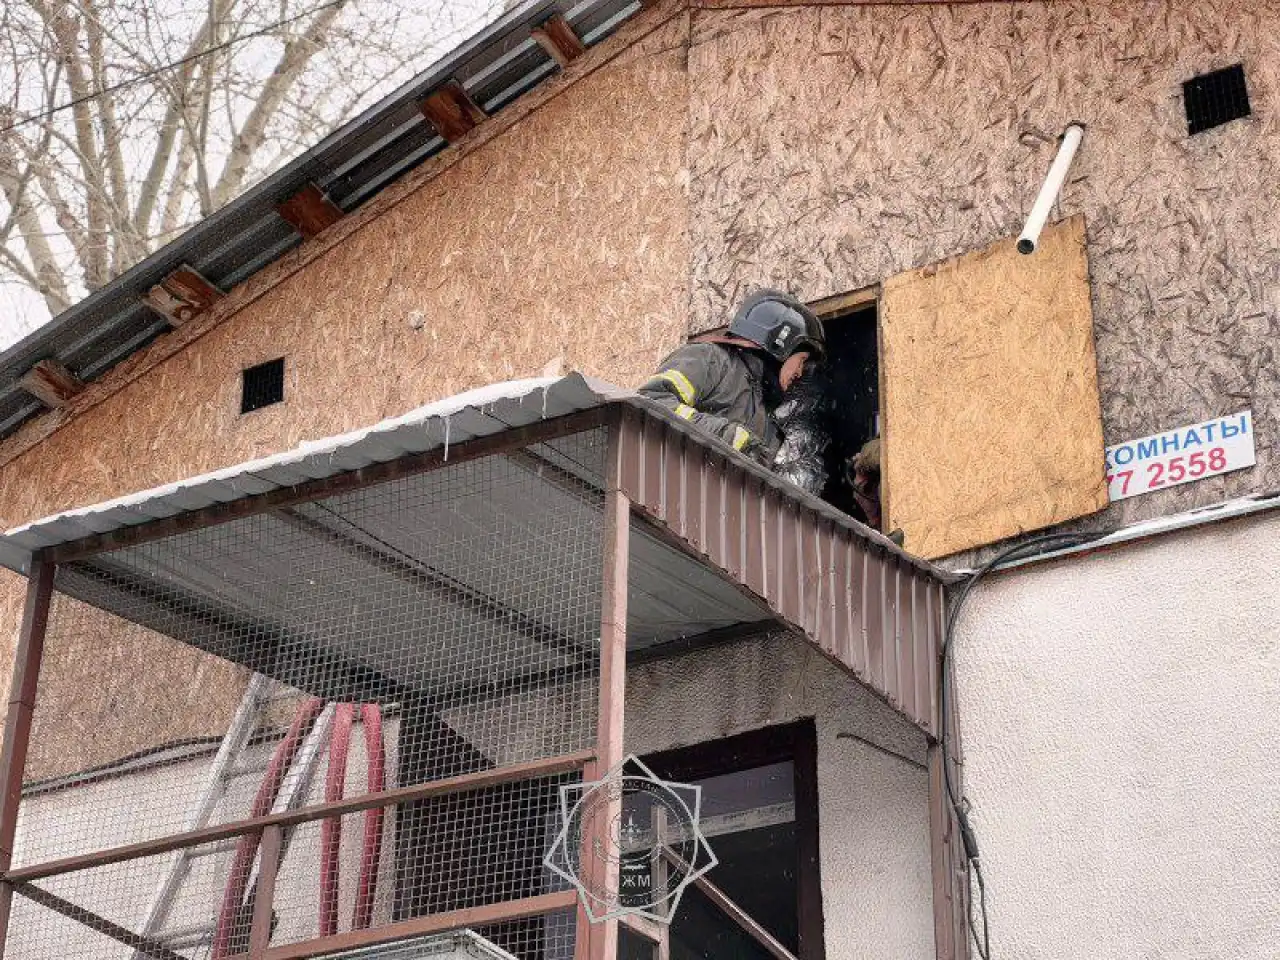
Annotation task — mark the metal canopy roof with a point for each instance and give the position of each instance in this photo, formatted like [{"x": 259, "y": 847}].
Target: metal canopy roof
[
  {"x": 351, "y": 165},
  {"x": 454, "y": 420},
  {"x": 718, "y": 542}
]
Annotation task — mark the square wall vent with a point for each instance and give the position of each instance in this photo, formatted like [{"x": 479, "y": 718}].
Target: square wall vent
[
  {"x": 1213, "y": 99},
  {"x": 263, "y": 385}
]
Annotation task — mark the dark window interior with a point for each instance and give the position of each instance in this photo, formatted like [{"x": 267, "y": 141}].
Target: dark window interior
[
  {"x": 263, "y": 385},
  {"x": 851, "y": 379},
  {"x": 759, "y": 805},
  {"x": 757, "y": 870}
]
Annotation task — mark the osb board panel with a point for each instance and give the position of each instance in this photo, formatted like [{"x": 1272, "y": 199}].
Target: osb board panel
[
  {"x": 565, "y": 238},
  {"x": 109, "y": 688},
  {"x": 990, "y": 397},
  {"x": 833, "y": 147}
]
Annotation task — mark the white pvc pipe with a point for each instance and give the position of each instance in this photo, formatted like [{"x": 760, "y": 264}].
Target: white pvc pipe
[{"x": 1030, "y": 237}]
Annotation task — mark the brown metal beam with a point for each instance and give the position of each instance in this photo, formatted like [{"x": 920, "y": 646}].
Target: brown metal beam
[
  {"x": 469, "y": 917},
  {"x": 17, "y": 729},
  {"x": 565, "y": 763},
  {"x": 143, "y": 945},
  {"x": 329, "y": 486},
  {"x": 599, "y": 941},
  {"x": 271, "y": 851}
]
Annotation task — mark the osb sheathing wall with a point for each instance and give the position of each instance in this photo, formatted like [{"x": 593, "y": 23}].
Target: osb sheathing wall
[
  {"x": 833, "y": 147},
  {"x": 564, "y": 238}
]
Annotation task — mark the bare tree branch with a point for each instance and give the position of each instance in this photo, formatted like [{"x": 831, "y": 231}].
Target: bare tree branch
[
  {"x": 65, "y": 28},
  {"x": 45, "y": 277},
  {"x": 293, "y": 61},
  {"x": 127, "y": 246},
  {"x": 175, "y": 113}
]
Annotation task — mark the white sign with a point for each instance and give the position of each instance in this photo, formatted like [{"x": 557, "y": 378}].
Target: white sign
[{"x": 1180, "y": 456}]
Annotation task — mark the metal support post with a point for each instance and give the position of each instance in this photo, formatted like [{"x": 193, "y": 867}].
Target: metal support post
[
  {"x": 269, "y": 854},
  {"x": 599, "y": 941},
  {"x": 17, "y": 730}
]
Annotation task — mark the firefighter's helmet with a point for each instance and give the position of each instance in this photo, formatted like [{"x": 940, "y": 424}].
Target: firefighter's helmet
[{"x": 780, "y": 324}]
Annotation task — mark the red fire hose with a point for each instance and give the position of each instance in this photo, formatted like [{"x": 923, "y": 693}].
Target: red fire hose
[
  {"x": 247, "y": 848},
  {"x": 330, "y": 829},
  {"x": 362, "y": 916}
]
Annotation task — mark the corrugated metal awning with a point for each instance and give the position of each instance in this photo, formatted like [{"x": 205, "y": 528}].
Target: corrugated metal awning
[{"x": 718, "y": 541}]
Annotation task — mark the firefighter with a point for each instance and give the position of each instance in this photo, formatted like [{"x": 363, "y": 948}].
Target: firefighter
[{"x": 730, "y": 382}]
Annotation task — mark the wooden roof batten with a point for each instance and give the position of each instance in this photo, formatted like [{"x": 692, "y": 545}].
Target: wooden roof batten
[
  {"x": 559, "y": 40},
  {"x": 450, "y": 109},
  {"x": 183, "y": 295},
  {"x": 310, "y": 211},
  {"x": 50, "y": 382}
]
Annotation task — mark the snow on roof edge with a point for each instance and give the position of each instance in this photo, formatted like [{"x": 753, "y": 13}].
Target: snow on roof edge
[{"x": 245, "y": 479}]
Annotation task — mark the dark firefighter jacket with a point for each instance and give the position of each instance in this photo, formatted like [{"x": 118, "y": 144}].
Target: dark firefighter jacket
[{"x": 722, "y": 389}]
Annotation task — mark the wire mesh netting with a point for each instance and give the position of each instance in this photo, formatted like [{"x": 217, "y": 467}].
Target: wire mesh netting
[
  {"x": 90, "y": 913},
  {"x": 440, "y": 624}
]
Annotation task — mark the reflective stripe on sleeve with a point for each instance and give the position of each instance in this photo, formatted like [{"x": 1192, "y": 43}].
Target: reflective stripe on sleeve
[
  {"x": 684, "y": 411},
  {"x": 740, "y": 438},
  {"x": 682, "y": 384}
]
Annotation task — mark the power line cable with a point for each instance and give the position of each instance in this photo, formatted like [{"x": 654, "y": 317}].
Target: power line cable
[
  {"x": 53, "y": 111},
  {"x": 1022, "y": 551}
]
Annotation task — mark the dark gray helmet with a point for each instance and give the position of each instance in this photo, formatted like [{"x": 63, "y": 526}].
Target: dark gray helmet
[{"x": 780, "y": 324}]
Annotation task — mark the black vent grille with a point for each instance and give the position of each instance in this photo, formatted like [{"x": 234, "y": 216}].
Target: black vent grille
[
  {"x": 1216, "y": 98},
  {"x": 263, "y": 385}
]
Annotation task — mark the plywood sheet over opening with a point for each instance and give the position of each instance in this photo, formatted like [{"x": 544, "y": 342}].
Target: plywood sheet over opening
[{"x": 992, "y": 423}]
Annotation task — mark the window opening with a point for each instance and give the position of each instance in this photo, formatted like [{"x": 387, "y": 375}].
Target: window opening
[
  {"x": 759, "y": 816},
  {"x": 1213, "y": 99},
  {"x": 263, "y": 385},
  {"x": 851, "y": 380}
]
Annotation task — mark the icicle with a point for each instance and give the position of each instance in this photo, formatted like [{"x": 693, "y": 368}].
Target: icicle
[{"x": 448, "y": 422}]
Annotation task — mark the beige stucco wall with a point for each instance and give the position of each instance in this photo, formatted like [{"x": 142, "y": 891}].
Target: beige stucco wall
[
  {"x": 873, "y": 816},
  {"x": 1120, "y": 726}
]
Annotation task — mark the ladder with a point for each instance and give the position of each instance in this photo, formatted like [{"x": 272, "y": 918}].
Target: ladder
[{"x": 228, "y": 765}]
